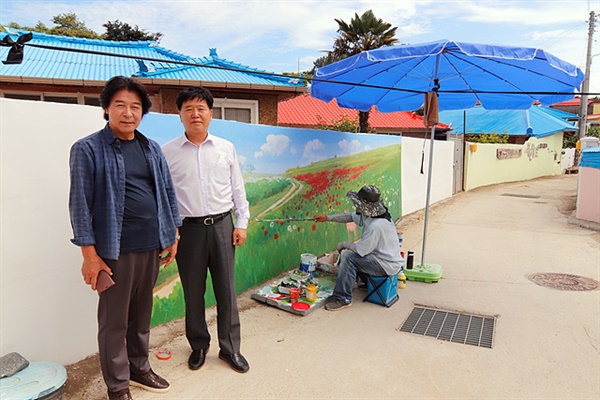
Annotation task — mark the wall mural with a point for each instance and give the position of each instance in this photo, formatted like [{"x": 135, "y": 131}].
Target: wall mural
[{"x": 291, "y": 174}]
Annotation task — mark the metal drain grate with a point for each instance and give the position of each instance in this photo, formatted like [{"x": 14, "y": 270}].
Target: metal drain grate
[
  {"x": 453, "y": 327},
  {"x": 523, "y": 196}
]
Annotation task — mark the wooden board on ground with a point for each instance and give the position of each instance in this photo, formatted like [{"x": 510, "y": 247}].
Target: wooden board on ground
[{"x": 270, "y": 295}]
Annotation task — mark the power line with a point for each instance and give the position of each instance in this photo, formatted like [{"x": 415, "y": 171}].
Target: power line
[{"x": 272, "y": 74}]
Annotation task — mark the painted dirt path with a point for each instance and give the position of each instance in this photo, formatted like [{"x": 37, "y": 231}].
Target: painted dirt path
[{"x": 297, "y": 186}]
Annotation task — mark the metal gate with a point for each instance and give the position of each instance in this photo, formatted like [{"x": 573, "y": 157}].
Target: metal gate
[{"x": 458, "y": 163}]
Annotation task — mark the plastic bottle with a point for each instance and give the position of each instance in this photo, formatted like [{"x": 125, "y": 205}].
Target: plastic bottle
[
  {"x": 410, "y": 260},
  {"x": 311, "y": 292},
  {"x": 401, "y": 276}
]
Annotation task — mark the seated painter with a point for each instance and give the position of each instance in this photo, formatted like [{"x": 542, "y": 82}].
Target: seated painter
[{"x": 376, "y": 253}]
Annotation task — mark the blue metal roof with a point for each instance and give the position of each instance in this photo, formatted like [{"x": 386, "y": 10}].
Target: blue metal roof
[
  {"x": 590, "y": 157},
  {"x": 58, "y": 64},
  {"x": 511, "y": 122},
  {"x": 555, "y": 112}
]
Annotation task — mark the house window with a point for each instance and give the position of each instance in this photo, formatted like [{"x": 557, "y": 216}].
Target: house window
[
  {"x": 60, "y": 99},
  {"x": 19, "y": 96},
  {"x": 236, "y": 110},
  {"x": 65, "y": 98},
  {"x": 91, "y": 101}
]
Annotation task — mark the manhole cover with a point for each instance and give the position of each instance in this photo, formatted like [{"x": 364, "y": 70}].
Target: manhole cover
[
  {"x": 451, "y": 326},
  {"x": 564, "y": 281}
]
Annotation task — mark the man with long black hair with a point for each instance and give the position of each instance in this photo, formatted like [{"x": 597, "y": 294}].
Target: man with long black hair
[{"x": 124, "y": 216}]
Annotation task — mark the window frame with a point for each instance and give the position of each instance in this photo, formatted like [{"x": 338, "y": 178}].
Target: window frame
[{"x": 252, "y": 105}]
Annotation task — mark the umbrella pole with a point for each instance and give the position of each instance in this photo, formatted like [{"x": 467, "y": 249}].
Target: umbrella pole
[{"x": 429, "y": 174}]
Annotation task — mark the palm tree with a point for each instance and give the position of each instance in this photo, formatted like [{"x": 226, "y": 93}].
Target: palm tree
[{"x": 365, "y": 32}]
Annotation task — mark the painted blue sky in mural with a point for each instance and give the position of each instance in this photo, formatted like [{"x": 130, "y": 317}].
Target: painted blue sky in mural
[{"x": 272, "y": 149}]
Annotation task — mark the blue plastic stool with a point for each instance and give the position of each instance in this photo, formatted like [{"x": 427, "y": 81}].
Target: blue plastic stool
[{"x": 382, "y": 290}]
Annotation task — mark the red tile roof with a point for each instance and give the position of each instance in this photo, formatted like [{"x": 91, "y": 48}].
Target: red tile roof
[
  {"x": 304, "y": 109},
  {"x": 574, "y": 102}
]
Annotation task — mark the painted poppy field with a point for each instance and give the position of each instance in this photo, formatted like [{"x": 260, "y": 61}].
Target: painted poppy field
[{"x": 273, "y": 247}]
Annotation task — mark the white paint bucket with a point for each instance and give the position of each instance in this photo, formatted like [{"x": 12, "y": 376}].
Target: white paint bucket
[{"x": 308, "y": 263}]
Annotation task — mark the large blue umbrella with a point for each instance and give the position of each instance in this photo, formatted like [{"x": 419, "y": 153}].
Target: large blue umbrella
[{"x": 396, "y": 78}]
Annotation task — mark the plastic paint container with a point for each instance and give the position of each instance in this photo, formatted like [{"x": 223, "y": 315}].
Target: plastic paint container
[
  {"x": 311, "y": 292},
  {"x": 294, "y": 294},
  {"x": 308, "y": 263}
]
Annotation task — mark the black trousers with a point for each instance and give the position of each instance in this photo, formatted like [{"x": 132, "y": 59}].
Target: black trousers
[
  {"x": 124, "y": 313},
  {"x": 202, "y": 248}
]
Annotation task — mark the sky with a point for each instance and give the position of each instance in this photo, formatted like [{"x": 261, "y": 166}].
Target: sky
[
  {"x": 287, "y": 36},
  {"x": 272, "y": 149}
]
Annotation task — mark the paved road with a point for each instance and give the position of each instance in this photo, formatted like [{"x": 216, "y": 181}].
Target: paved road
[{"x": 489, "y": 242}]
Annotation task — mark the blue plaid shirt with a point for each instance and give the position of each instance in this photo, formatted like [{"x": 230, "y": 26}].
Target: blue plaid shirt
[{"x": 97, "y": 195}]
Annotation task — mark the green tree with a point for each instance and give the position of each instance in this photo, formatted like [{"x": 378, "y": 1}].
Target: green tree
[
  {"x": 122, "y": 31},
  {"x": 344, "y": 124},
  {"x": 570, "y": 141},
  {"x": 364, "y": 32},
  {"x": 492, "y": 137},
  {"x": 67, "y": 24}
]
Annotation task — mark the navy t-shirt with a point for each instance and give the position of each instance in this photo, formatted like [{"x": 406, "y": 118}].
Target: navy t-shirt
[{"x": 140, "y": 219}]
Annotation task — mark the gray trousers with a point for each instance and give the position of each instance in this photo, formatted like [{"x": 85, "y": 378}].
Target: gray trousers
[
  {"x": 124, "y": 313},
  {"x": 200, "y": 249}
]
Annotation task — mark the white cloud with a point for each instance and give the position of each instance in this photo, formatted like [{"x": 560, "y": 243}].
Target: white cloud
[
  {"x": 293, "y": 150},
  {"x": 349, "y": 147},
  {"x": 312, "y": 149},
  {"x": 241, "y": 159},
  {"x": 277, "y": 35},
  {"x": 258, "y": 154},
  {"x": 275, "y": 145}
]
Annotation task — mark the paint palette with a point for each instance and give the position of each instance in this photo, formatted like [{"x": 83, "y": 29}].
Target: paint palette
[{"x": 299, "y": 275}]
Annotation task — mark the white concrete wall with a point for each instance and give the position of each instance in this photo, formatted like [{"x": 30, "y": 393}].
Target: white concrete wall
[
  {"x": 47, "y": 313},
  {"x": 588, "y": 194},
  {"x": 414, "y": 184},
  {"x": 539, "y": 157},
  {"x": 567, "y": 159}
]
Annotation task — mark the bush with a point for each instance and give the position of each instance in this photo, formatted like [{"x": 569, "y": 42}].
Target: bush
[{"x": 569, "y": 142}]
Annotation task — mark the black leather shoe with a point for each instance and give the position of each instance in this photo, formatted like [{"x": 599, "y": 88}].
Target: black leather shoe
[
  {"x": 237, "y": 361},
  {"x": 197, "y": 358}
]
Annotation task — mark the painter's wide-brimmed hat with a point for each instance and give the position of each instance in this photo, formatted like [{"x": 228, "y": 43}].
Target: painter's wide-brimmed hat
[{"x": 368, "y": 201}]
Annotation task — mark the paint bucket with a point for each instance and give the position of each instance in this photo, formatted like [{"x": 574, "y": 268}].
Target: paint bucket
[
  {"x": 294, "y": 294},
  {"x": 308, "y": 263}
]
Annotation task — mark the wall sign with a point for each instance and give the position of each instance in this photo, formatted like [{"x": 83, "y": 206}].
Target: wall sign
[{"x": 504, "y": 154}]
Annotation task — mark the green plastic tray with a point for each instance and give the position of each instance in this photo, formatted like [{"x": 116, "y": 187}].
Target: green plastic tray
[{"x": 429, "y": 273}]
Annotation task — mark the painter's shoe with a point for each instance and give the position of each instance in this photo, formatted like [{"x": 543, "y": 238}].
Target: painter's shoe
[{"x": 336, "y": 304}]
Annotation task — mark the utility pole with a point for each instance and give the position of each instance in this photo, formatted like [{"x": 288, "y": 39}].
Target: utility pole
[{"x": 583, "y": 111}]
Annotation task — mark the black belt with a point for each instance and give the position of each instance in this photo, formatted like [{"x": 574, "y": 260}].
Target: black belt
[{"x": 207, "y": 219}]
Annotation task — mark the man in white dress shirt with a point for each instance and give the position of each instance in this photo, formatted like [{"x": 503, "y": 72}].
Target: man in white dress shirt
[{"x": 209, "y": 185}]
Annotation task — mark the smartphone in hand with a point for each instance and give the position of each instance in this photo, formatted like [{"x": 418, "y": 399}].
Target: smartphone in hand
[{"x": 104, "y": 281}]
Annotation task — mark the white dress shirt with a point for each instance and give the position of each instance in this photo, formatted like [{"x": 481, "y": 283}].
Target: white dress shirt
[{"x": 208, "y": 178}]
